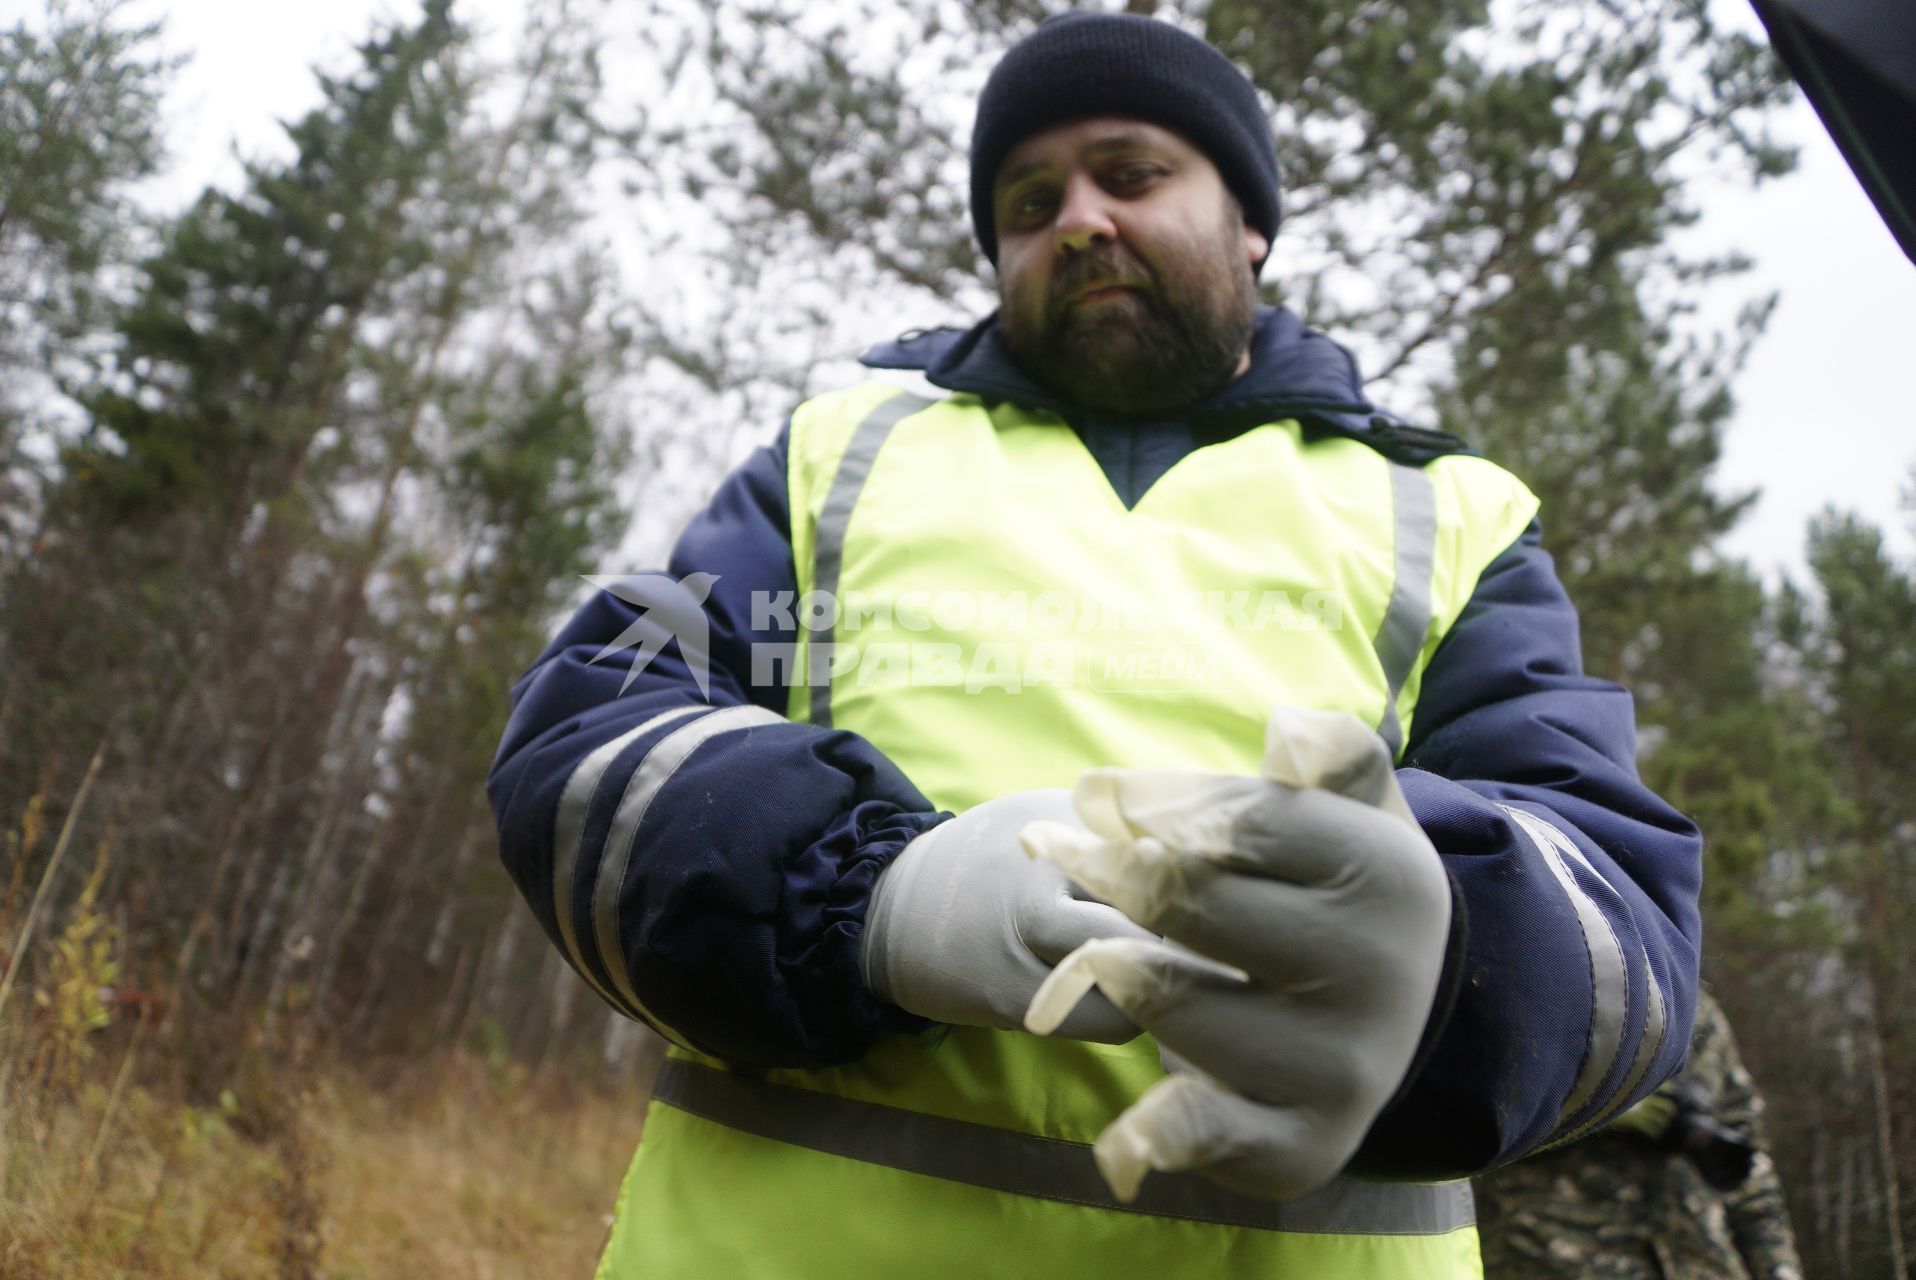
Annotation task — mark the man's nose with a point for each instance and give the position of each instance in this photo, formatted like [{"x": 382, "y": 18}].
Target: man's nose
[{"x": 1084, "y": 219}]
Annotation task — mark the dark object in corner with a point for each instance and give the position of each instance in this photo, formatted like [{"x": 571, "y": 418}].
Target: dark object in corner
[{"x": 1856, "y": 62}]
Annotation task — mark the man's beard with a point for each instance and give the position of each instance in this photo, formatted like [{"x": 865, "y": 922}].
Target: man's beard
[{"x": 1164, "y": 346}]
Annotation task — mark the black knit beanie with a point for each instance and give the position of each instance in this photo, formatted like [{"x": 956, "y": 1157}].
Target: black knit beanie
[{"x": 1090, "y": 64}]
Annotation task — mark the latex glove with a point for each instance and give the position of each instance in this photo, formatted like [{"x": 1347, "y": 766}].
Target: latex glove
[
  {"x": 1319, "y": 913},
  {"x": 964, "y": 927}
]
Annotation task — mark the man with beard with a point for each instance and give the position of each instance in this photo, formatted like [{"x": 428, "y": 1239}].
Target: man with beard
[{"x": 1150, "y": 679}]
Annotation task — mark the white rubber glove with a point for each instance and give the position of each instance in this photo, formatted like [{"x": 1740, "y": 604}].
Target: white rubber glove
[
  {"x": 964, "y": 927},
  {"x": 1321, "y": 913}
]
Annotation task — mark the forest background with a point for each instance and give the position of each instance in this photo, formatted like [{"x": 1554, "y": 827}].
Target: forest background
[{"x": 295, "y": 481}]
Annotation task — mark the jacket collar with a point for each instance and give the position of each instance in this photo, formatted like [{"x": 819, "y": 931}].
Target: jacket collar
[{"x": 1294, "y": 373}]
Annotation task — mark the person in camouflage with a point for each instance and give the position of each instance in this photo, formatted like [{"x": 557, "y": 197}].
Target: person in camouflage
[{"x": 1680, "y": 1188}]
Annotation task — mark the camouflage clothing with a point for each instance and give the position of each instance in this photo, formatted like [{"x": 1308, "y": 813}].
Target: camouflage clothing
[{"x": 1618, "y": 1207}]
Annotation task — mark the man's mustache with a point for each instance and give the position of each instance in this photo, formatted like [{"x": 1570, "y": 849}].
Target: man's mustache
[{"x": 1099, "y": 270}]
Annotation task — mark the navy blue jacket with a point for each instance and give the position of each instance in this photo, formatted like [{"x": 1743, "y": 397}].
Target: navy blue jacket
[{"x": 1571, "y": 979}]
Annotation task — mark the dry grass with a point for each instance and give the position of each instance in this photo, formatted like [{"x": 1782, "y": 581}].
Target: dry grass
[
  {"x": 461, "y": 1171},
  {"x": 472, "y": 1180}
]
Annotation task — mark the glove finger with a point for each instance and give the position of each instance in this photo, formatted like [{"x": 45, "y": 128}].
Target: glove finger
[
  {"x": 1140, "y": 977},
  {"x": 1278, "y": 933},
  {"x": 1096, "y": 1019},
  {"x": 1069, "y": 922},
  {"x": 1263, "y": 1044},
  {"x": 1158, "y": 840},
  {"x": 1187, "y": 1123},
  {"x": 1323, "y": 839},
  {"x": 1186, "y": 810},
  {"x": 1275, "y": 930},
  {"x": 1269, "y": 1048},
  {"x": 1200, "y": 818},
  {"x": 1209, "y": 1015},
  {"x": 1137, "y": 877},
  {"x": 1043, "y": 832},
  {"x": 1328, "y": 870},
  {"x": 1332, "y": 751}
]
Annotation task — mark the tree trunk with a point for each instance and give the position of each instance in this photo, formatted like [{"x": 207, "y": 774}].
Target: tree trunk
[
  {"x": 1845, "y": 1205},
  {"x": 47, "y": 877},
  {"x": 485, "y": 997},
  {"x": 562, "y": 1000},
  {"x": 449, "y": 1005},
  {"x": 348, "y": 918},
  {"x": 358, "y": 742},
  {"x": 1886, "y": 1152},
  {"x": 203, "y": 916},
  {"x": 372, "y": 986},
  {"x": 263, "y": 787}
]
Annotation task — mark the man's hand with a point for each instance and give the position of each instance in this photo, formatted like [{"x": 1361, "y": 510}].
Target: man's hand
[
  {"x": 1305, "y": 918},
  {"x": 964, "y": 927}
]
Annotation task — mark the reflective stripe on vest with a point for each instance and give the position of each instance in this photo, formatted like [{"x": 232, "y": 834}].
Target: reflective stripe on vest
[
  {"x": 847, "y": 482},
  {"x": 1399, "y": 639},
  {"x": 1045, "y": 1168}
]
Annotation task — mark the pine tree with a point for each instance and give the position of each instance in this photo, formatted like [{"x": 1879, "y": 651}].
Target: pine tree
[
  {"x": 237, "y": 352},
  {"x": 495, "y": 491},
  {"x": 527, "y": 504},
  {"x": 79, "y": 123},
  {"x": 1857, "y": 640},
  {"x": 166, "y": 599},
  {"x": 301, "y": 549},
  {"x": 80, "y": 95}
]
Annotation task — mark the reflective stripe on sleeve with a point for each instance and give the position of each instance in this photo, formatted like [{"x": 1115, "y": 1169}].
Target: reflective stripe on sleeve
[
  {"x": 1609, "y": 967},
  {"x": 1656, "y": 1026},
  {"x": 569, "y": 833},
  {"x": 660, "y": 763},
  {"x": 1039, "y": 1167},
  {"x": 1656, "y": 1017}
]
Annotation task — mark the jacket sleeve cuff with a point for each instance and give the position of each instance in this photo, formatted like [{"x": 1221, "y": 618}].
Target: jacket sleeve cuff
[{"x": 834, "y": 998}]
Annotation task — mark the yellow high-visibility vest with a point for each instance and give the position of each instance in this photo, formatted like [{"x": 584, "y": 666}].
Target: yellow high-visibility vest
[{"x": 981, "y": 606}]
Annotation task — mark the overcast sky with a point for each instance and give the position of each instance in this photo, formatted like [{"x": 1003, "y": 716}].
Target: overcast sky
[{"x": 1825, "y": 410}]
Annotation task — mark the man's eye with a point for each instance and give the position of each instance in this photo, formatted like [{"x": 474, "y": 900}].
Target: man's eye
[
  {"x": 1031, "y": 206},
  {"x": 1136, "y": 175}
]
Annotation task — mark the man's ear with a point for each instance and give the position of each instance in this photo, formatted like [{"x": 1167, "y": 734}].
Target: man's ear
[{"x": 1257, "y": 245}]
